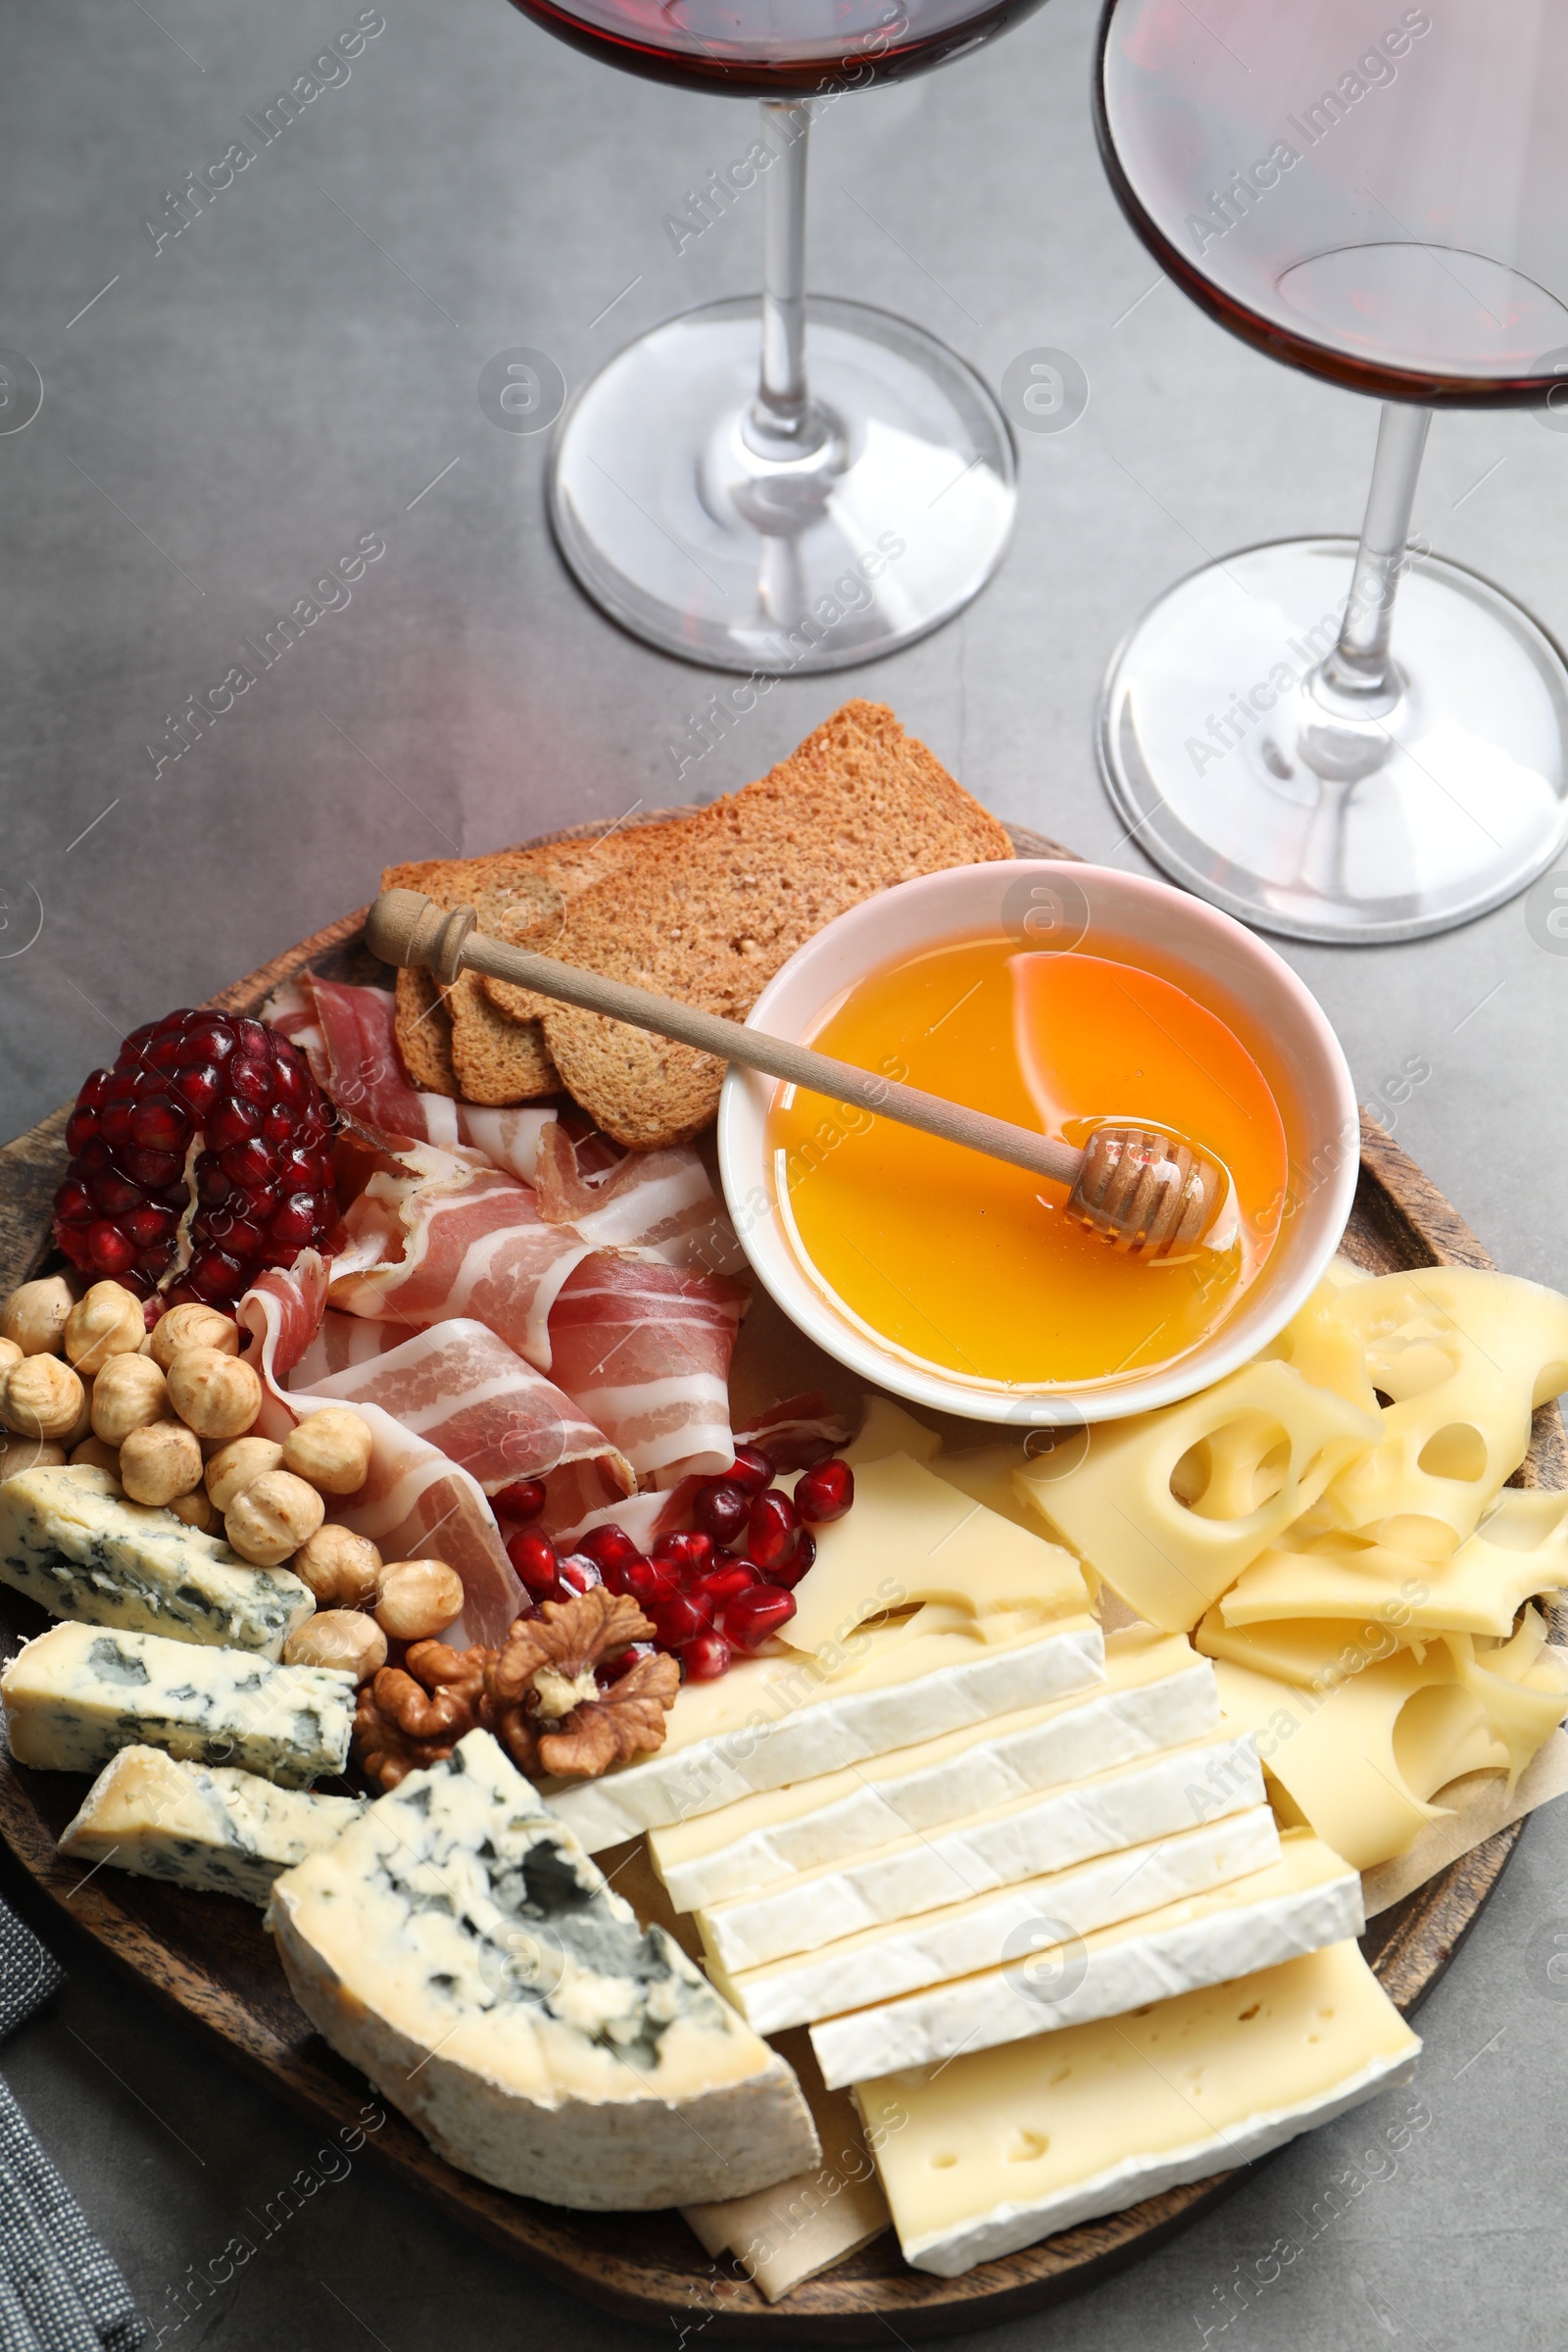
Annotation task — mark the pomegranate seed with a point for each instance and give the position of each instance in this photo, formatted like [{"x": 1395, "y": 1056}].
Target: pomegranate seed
[
  {"x": 689, "y": 1554},
  {"x": 649, "y": 1583},
  {"x": 579, "y": 1572},
  {"x": 750, "y": 1470},
  {"x": 74, "y": 1205},
  {"x": 720, "y": 1586},
  {"x": 720, "y": 1509},
  {"x": 609, "y": 1545},
  {"x": 150, "y": 1169},
  {"x": 706, "y": 1657},
  {"x": 114, "y": 1192},
  {"x": 198, "y": 1089},
  {"x": 249, "y": 1162},
  {"x": 130, "y": 1047},
  {"x": 300, "y": 1221},
  {"x": 74, "y": 1245},
  {"x": 252, "y": 1081},
  {"x": 826, "y": 1492},
  {"x": 524, "y": 1499},
  {"x": 216, "y": 1277},
  {"x": 753, "y": 1618},
  {"x": 82, "y": 1122},
  {"x": 114, "y": 1123},
  {"x": 610, "y": 1670},
  {"x": 157, "y": 1125},
  {"x": 250, "y": 1038},
  {"x": 680, "y": 1619},
  {"x": 535, "y": 1558},
  {"x": 164, "y": 1051},
  {"x": 788, "y": 1573},
  {"x": 93, "y": 1090},
  {"x": 110, "y": 1253},
  {"x": 772, "y": 1527},
  {"x": 297, "y": 1168},
  {"x": 232, "y": 1123},
  {"x": 148, "y": 1225}
]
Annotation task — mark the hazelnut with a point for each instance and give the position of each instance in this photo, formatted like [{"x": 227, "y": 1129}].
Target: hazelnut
[
  {"x": 341, "y": 1568},
  {"x": 107, "y": 1322},
  {"x": 42, "y": 1397},
  {"x": 342, "y": 1637},
  {"x": 272, "y": 1517},
  {"x": 235, "y": 1464},
  {"x": 93, "y": 1454},
  {"x": 416, "y": 1599},
  {"x": 126, "y": 1394},
  {"x": 191, "y": 1325},
  {"x": 81, "y": 1427},
  {"x": 332, "y": 1449},
  {"x": 9, "y": 1354},
  {"x": 196, "y": 1509},
  {"x": 30, "y": 1454},
  {"x": 35, "y": 1315},
  {"x": 215, "y": 1394},
  {"x": 160, "y": 1460}
]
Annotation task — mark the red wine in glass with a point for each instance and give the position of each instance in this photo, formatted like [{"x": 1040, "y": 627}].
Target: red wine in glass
[
  {"x": 774, "y": 48},
  {"x": 707, "y": 494}
]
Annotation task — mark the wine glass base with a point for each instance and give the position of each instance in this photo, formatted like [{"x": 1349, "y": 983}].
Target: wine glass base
[
  {"x": 681, "y": 531},
  {"x": 1238, "y": 780}
]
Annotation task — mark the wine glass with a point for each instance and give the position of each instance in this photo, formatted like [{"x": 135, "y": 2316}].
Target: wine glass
[
  {"x": 1377, "y": 194},
  {"x": 711, "y": 492}
]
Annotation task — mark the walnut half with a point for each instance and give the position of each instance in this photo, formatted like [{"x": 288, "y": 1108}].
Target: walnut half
[{"x": 550, "y": 1713}]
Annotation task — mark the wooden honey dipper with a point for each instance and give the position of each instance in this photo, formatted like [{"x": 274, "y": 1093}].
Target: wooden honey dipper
[{"x": 1144, "y": 1190}]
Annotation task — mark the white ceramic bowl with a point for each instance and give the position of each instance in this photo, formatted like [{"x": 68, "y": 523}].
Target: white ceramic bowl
[{"x": 1048, "y": 903}]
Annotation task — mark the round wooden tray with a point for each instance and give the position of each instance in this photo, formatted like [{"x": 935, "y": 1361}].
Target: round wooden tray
[{"x": 207, "y": 1955}]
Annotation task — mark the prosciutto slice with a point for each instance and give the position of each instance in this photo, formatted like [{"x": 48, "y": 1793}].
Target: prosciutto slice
[
  {"x": 458, "y": 1386},
  {"x": 417, "y": 1504},
  {"x": 349, "y": 1037},
  {"x": 459, "y": 1239},
  {"x": 645, "y": 1350},
  {"x": 657, "y": 1203}
]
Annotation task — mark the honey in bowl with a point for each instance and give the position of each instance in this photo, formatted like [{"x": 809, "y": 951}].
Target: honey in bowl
[{"x": 969, "y": 1265}]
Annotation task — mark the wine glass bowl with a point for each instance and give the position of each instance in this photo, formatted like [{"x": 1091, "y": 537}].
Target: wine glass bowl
[
  {"x": 1380, "y": 200},
  {"x": 780, "y": 485}
]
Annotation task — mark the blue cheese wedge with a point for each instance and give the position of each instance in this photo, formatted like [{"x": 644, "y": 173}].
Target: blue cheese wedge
[
  {"x": 1302, "y": 1900},
  {"x": 79, "y": 1693},
  {"x": 210, "y": 1827},
  {"x": 998, "y": 2148},
  {"x": 458, "y": 1946},
  {"x": 72, "y": 1541}
]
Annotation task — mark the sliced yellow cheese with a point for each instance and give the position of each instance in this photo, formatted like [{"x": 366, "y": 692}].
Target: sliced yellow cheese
[
  {"x": 1521, "y": 1685},
  {"x": 1362, "y": 1760},
  {"x": 1001, "y": 2147},
  {"x": 1313, "y": 1652},
  {"x": 1156, "y": 1693},
  {"x": 918, "y": 1547},
  {"x": 1170, "y": 1507},
  {"x": 1302, "y": 1899},
  {"x": 985, "y": 1472},
  {"x": 1519, "y": 1551},
  {"x": 1464, "y": 1355},
  {"x": 1321, "y": 1342}
]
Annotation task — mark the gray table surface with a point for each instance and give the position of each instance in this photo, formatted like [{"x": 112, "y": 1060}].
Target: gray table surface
[{"x": 298, "y": 369}]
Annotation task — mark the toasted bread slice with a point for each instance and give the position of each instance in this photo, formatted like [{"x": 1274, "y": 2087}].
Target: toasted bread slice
[
  {"x": 424, "y": 1030},
  {"x": 712, "y": 905}
]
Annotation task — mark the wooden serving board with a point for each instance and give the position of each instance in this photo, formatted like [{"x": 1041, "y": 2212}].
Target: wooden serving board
[{"x": 208, "y": 1957}]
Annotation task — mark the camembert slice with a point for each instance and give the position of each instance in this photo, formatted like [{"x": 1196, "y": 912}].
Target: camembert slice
[
  {"x": 457, "y": 1946},
  {"x": 219, "y": 1831},
  {"x": 1001, "y": 2147}
]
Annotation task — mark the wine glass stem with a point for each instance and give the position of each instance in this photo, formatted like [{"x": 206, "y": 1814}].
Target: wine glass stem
[
  {"x": 781, "y": 422},
  {"x": 1359, "y": 670}
]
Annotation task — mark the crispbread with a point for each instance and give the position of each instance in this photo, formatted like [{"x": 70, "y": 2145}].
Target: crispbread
[
  {"x": 711, "y": 906},
  {"x": 424, "y": 1030}
]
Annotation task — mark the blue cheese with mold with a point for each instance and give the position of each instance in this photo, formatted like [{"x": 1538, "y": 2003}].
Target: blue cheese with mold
[
  {"x": 456, "y": 1944},
  {"x": 79, "y": 1693},
  {"x": 210, "y": 1828},
  {"x": 73, "y": 1542}
]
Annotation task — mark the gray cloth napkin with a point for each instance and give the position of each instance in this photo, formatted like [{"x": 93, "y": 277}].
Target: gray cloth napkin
[{"x": 59, "y": 2290}]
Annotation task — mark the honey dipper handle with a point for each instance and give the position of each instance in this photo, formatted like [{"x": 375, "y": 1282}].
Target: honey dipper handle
[{"x": 406, "y": 927}]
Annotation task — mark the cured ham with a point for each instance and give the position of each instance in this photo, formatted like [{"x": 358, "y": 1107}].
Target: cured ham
[
  {"x": 799, "y": 1432},
  {"x": 347, "y": 1035},
  {"x": 417, "y": 1501},
  {"x": 645, "y": 1350},
  {"x": 459, "y": 1239},
  {"x": 459, "y": 1387},
  {"x": 657, "y": 1203}
]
